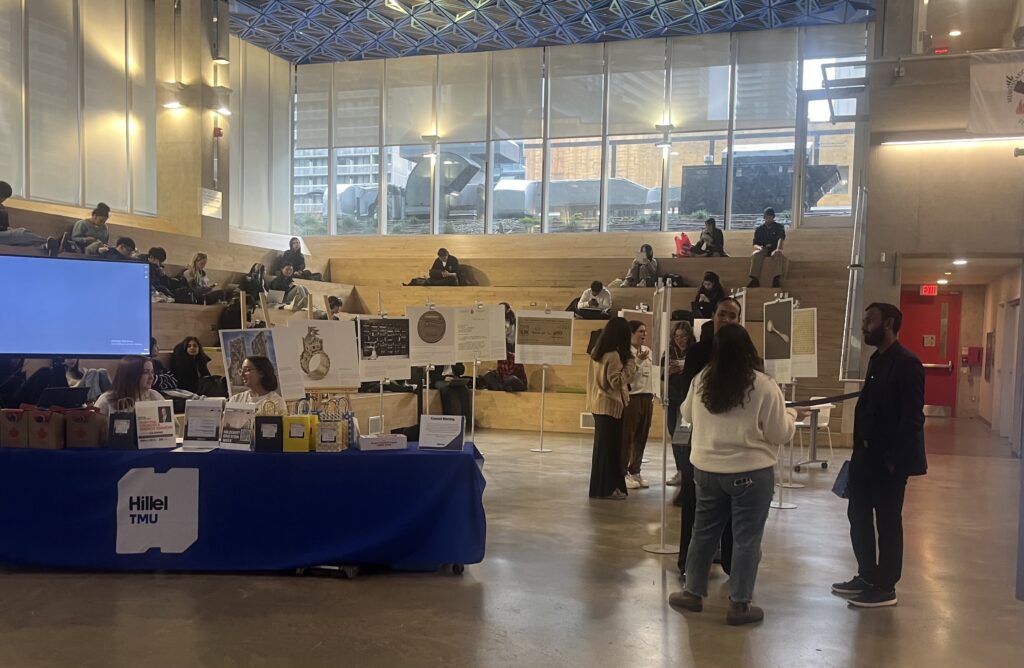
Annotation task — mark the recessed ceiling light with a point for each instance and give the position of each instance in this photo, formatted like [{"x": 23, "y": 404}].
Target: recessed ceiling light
[
  {"x": 960, "y": 263},
  {"x": 955, "y": 33},
  {"x": 943, "y": 281},
  {"x": 949, "y": 273}
]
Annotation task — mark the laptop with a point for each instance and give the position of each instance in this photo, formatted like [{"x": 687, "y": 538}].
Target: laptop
[
  {"x": 275, "y": 296},
  {"x": 65, "y": 397}
]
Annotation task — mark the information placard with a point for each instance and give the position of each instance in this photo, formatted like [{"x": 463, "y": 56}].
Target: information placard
[
  {"x": 480, "y": 333},
  {"x": 432, "y": 335},
  {"x": 805, "y": 343},
  {"x": 544, "y": 338},
  {"x": 237, "y": 423},
  {"x": 202, "y": 422},
  {"x": 778, "y": 340},
  {"x": 154, "y": 423},
  {"x": 442, "y": 432},
  {"x": 384, "y": 348}
]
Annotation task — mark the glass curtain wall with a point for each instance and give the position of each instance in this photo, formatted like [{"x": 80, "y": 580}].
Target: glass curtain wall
[
  {"x": 87, "y": 131},
  {"x": 481, "y": 142}
]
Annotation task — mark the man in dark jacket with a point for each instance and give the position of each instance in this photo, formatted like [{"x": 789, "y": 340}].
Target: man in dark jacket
[
  {"x": 445, "y": 270},
  {"x": 888, "y": 447}
]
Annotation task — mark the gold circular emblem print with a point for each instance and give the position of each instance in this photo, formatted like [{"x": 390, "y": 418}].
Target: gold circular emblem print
[{"x": 431, "y": 327}]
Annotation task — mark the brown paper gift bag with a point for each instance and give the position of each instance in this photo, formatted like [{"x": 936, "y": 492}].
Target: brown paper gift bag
[
  {"x": 13, "y": 428},
  {"x": 45, "y": 429},
  {"x": 84, "y": 428}
]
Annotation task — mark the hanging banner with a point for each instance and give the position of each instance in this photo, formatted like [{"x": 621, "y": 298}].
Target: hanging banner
[
  {"x": 805, "y": 343},
  {"x": 997, "y": 94},
  {"x": 431, "y": 335},
  {"x": 384, "y": 348},
  {"x": 778, "y": 340},
  {"x": 480, "y": 333},
  {"x": 544, "y": 338}
]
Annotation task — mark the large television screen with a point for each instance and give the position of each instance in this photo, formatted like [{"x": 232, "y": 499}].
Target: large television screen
[{"x": 53, "y": 307}]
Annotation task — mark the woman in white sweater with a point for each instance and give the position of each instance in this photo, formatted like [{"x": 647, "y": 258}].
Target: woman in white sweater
[{"x": 739, "y": 420}]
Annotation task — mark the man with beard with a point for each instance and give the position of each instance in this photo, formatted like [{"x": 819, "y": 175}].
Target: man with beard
[{"x": 888, "y": 447}]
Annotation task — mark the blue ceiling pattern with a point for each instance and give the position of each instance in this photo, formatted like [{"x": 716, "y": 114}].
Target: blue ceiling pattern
[{"x": 312, "y": 31}]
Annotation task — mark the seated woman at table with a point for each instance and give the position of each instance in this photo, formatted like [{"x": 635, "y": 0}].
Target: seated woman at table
[
  {"x": 133, "y": 382},
  {"x": 261, "y": 382}
]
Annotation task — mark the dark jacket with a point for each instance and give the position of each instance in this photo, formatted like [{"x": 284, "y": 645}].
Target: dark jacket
[
  {"x": 451, "y": 266},
  {"x": 282, "y": 283},
  {"x": 890, "y": 412},
  {"x": 187, "y": 369},
  {"x": 715, "y": 295},
  {"x": 717, "y": 243},
  {"x": 697, "y": 357},
  {"x": 294, "y": 258},
  {"x": 437, "y": 374}
]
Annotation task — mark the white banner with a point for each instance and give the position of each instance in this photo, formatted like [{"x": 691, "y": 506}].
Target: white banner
[{"x": 997, "y": 94}]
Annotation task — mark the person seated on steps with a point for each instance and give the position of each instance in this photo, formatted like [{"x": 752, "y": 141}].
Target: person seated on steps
[
  {"x": 124, "y": 249},
  {"x": 335, "y": 304},
  {"x": 454, "y": 389},
  {"x": 708, "y": 295},
  {"x": 643, "y": 273},
  {"x": 159, "y": 281},
  {"x": 297, "y": 260},
  {"x": 445, "y": 270},
  {"x": 712, "y": 241},
  {"x": 203, "y": 289},
  {"x": 596, "y": 298},
  {"x": 769, "y": 238},
  {"x": 295, "y": 296},
  {"x": 19, "y": 236},
  {"x": 91, "y": 234}
]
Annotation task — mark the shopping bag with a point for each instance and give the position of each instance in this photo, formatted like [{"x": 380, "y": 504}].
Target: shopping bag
[
  {"x": 333, "y": 429},
  {"x": 13, "y": 428},
  {"x": 45, "y": 429},
  {"x": 841, "y": 486},
  {"x": 121, "y": 431},
  {"x": 84, "y": 428},
  {"x": 269, "y": 435}
]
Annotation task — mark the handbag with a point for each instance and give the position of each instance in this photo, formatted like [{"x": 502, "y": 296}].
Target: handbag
[{"x": 841, "y": 486}]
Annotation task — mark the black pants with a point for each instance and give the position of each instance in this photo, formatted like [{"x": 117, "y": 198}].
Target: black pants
[
  {"x": 876, "y": 502},
  {"x": 606, "y": 474},
  {"x": 671, "y": 422},
  {"x": 688, "y": 497},
  {"x": 456, "y": 399}
]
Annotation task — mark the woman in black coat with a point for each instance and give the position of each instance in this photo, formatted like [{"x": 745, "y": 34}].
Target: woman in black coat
[
  {"x": 189, "y": 364},
  {"x": 710, "y": 293},
  {"x": 297, "y": 260}
]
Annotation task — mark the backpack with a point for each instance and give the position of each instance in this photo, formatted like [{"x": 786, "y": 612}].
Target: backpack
[{"x": 674, "y": 280}]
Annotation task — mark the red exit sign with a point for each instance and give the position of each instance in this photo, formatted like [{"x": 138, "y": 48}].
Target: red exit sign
[{"x": 930, "y": 290}]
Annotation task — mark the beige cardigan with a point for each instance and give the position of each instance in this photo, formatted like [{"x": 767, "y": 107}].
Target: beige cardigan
[{"x": 608, "y": 384}]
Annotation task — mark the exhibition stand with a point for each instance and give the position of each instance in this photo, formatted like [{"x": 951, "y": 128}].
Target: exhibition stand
[{"x": 222, "y": 510}]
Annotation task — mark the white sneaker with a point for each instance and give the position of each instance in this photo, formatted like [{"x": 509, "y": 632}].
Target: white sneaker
[
  {"x": 643, "y": 481},
  {"x": 632, "y": 482},
  {"x": 676, "y": 480}
]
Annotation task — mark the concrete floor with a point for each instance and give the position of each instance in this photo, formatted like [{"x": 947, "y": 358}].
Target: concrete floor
[{"x": 565, "y": 583}]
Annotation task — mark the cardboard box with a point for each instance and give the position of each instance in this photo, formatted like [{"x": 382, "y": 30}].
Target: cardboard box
[
  {"x": 45, "y": 429},
  {"x": 13, "y": 428},
  {"x": 383, "y": 442}
]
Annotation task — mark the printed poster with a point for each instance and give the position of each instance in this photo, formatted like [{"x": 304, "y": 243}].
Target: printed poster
[
  {"x": 237, "y": 426},
  {"x": 480, "y": 333},
  {"x": 237, "y": 344},
  {"x": 384, "y": 348},
  {"x": 544, "y": 338},
  {"x": 327, "y": 352},
  {"x": 432, "y": 335},
  {"x": 778, "y": 340},
  {"x": 805, "y": 343},
  {"x": 997, "y": 94},
  {"x": 154, "y": 424}
]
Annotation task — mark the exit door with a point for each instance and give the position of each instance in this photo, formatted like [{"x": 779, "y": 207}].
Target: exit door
[{"x": 931, "y": 328}]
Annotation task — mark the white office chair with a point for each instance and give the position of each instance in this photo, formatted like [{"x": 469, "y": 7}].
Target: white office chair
[{"x": 824, "y": 416}]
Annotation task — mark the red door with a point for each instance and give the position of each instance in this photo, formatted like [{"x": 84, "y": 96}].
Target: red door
[{"x": 931, "y": 328}]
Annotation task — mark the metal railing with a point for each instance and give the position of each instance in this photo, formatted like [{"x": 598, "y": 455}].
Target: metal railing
[{"x": 849, "y": 353}]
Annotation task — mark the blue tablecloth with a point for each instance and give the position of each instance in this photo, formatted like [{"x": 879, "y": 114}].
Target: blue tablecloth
[{"x": 256, "y": 511}]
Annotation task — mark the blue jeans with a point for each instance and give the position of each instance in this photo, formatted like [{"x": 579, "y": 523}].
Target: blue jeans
[{"x": 748, "y": 495}]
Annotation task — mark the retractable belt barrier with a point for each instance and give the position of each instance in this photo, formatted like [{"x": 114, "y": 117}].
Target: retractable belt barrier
[{"x": 822, "y": 400}]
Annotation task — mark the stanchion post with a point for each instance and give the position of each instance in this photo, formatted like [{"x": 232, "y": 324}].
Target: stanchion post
[
  {"x": 426, "y": 389},
  {"x": 661, "y": 547},
  {"x": 786, "y": 480},
  {"x": 382, "y": 430},
  {"x": 543, "y": 389},
  {"x": 472, "y": 398}
]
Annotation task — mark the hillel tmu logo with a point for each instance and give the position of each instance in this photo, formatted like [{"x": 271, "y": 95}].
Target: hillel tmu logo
[{"x": 157, "y": 510}]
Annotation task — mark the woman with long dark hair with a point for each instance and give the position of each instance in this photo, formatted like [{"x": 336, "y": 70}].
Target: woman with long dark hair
[
  {"x": 739, "y": 419},
  {"x": 261, "y": 384},
  {"x": 679, "y": 344},
  {"x": 708, "y": 295},
  {"x": 189, "y": 364},
  {"x": 133, "y": 382},
  {"x": 611, "y": 367}
]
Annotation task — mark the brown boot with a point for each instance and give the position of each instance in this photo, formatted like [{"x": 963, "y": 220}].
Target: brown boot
[
  {"x": 743, "y": 613},
  {"x": 686, "y": 600}
]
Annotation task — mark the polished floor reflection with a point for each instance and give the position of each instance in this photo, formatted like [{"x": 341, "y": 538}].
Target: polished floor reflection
[{"x": 565, "y": 583}]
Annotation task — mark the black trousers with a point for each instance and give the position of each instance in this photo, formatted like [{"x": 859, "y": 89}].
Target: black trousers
[
  {"x": 876, "y": 503},
  {"x": 455, "y": 400},
  {"x": 606, "y": 474},
  {"x": 688, "y": 497}
]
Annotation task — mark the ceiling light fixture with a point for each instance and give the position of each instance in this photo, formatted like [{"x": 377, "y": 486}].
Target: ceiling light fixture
[
  {"x": 173, "y": 104},
  {"x": 943, "y": 281},
  {"x": 955, "y": 33},
  {"x": 960, "y": 262},
  {"x": 962, "y": 140},
  {"x": 948, "y": 273}
]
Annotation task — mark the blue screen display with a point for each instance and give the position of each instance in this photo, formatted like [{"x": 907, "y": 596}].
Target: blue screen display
[{"x": 73, "y": 308}]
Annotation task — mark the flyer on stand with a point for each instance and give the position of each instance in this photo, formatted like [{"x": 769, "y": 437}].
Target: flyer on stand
[
  {"x": 202, "y": 422},
  {"x": 442, "y": 432},
  {"x": 431, "y": 335},
  {"x": 154, "y": 422},
  {"x": 237, "y": 423},
  {"x": 480, "y": 333},
  {"x": 544, "y": 338},
  {"x": 384, "y": 348},
  {"x": 778, "y": 340},
  {"x": 805, "y": 343},
  {"x": 324, "y": 352}
]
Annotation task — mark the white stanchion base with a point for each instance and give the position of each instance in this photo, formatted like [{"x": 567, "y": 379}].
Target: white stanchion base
[
  {"x": 661, "y": 548},
  {"x": 540, "y": 450},
  {"x": 784, "y": 505},
  {"x": 791, "y": 485}
]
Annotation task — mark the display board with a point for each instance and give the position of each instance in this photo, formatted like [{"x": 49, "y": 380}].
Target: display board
[
  {"x": 384, "y": 348},
  {"x": 544, "y": 338},
  {"x": 274, "y": 344},
  {"x": 480, "y": 333},
  {"x": 778, "y": 340},
  {"x": 432, "y": 334},
  {"x": 805, "y": 343},
  {"x": 325, "y": 352}
]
